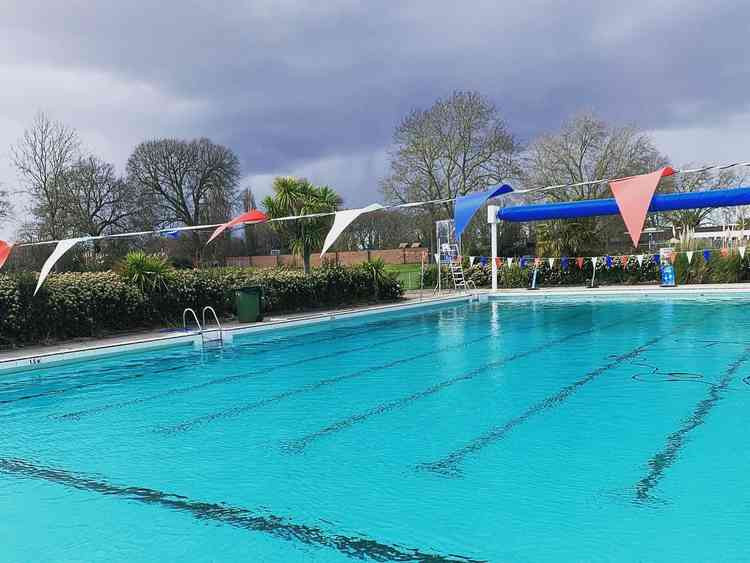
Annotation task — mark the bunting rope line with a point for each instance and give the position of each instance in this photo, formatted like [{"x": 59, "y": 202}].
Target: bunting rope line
[
  {"x": 608, "y": 180},
  {"x": 385, "y": 207}
]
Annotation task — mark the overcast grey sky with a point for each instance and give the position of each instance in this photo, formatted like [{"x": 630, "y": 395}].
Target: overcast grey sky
[{"x": 315, "y": 88}]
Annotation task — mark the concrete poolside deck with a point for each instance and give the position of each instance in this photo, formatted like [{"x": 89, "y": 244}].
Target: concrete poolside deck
[{"x": 31, "y": 356}]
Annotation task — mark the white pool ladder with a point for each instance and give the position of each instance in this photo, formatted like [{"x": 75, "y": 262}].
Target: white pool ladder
[
  {"x": 210, "y": 336},
  {"x": 218, "y": 330}
]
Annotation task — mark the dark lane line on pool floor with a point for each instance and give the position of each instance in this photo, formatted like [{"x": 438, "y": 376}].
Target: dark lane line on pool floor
[
  {"x": 77, "y": 415},
  {"x": 298, "y": 445},
  {"x": 241, "y": 409},
  {"x": 447, "y": 466},
  {"x": 359, "y": 547},
  {"x": 665, "y": 458}
]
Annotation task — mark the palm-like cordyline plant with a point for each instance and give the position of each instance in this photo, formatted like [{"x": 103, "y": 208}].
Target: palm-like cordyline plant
[{"x": 297, "y": 196}]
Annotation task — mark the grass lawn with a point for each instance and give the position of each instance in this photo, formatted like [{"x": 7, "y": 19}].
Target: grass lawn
[{"x": 408, "y": 274}]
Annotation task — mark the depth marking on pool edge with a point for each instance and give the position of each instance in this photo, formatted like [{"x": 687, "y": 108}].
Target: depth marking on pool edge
[
  {"x": 77, "y": 415},
  {"x": 662, "y": 460},
  {"x": 296, "y": 446},
  {"x": 240, "y": 409},
  {"x": 353, "y": 546}
]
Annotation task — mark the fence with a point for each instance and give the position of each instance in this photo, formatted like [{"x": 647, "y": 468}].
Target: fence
[{"x": 346, "y": 258}]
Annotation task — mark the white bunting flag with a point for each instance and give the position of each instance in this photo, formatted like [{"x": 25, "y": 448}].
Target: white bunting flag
[
  {"x": 640, "y": 259},
  {"x": 551, "y": 262},
  {"x": 510, "y": 262},
  {"x": 741, "y": 250},
  {"x": 689, "y": 255},
  {"x": 62, "y": 247},
  {"x": 342, "y": 220},
  {"x": 594, "y": 260},
  {"x": 437, "y": 258},
  {"x": 471, "y": 261}
]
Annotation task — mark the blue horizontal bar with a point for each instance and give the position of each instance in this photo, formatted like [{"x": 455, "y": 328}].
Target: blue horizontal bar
[{"x": 594, "y": 207}]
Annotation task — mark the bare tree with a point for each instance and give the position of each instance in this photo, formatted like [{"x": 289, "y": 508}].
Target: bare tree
[
  {"x": 96, "y": 201},
  {"x": 42, "y": 156},
  {"x": 5, "y": 208},
  {"x": 458, "y": 146},
  {"x": 688, "y": 219},
  {"x": 586, "y": 148},
  {"x": 187, "y": 182}
]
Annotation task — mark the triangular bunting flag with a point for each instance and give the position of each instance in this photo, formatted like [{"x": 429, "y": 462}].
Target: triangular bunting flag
[
  {"x": 740, "y": 249},
  {"x": 608, "y": 260},
  {"x": 657, "y": 259},
  {"x": 471, "y": 261},
  {"x": 466, "y": 206},
  {"x": 725, "y": 252},
  {"x": 633, "y": 196},
  {"x": 689, "y": 255},
  {"x": 551, "y": 262},
  {"x": 624, "y": 260},
  {"x": 579, "y": 261},
  {"x": 62, "y": 247},
  {"x": 5, "y": 248},
  {"x": 342, "y": 220},
  {"x": 537, "y": 261},
  {"x": 510, "y": 262},
  {"x": 253, "y": 216},
  {"x": 564, "y": 262},
  {"x": 594, "y": 260},
  {"x": 499, "y": 262},
  {"x": 706, "y": 255},
  {"x": 640, "y": 259}
]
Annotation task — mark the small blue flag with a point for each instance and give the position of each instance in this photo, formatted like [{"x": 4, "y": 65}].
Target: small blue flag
[
  {"x": 609, "y": 261},
  {"x": 657, "y": 259},
  {"x": 706, "y": 255},
  {"x": 523, "y": 262},
  {"x": 564, "y": 263},
  {"x": 483, "y": 260}
]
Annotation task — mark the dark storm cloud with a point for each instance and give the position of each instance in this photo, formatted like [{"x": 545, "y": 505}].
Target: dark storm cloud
[{"x": 289, "y": 84}]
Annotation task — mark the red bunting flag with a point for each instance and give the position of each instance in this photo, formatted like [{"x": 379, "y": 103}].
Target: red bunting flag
[
  {"x": 624, "y": 260},
  {"x": 633, "y": 196},
  {"x": 499, "y": 262},
  {"x": 579, "y": 261},
  {"x": 5, "y": 248},
  {"x": 725, "y": 252},
  {"x": 537, "y": 261},
  {"x": 253, "y": 216}
]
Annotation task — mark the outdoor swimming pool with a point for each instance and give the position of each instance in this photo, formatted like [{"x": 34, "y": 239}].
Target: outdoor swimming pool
[{"x": 526, "y": 430}]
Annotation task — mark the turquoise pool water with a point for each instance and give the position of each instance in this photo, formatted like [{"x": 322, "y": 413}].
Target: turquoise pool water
[{"x": 504, "y": 431}]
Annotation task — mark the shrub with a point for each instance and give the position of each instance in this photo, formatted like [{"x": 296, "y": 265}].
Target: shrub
[
  {"x": 149, "y": 272},
  {"x": 89, "y": 304}
]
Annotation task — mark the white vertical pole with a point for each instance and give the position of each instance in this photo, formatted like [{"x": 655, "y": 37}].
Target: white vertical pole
[{"x": 492, "y": 219}]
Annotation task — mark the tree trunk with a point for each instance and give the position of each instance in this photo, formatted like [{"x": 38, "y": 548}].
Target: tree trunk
[{"x": 306, "y": 259}]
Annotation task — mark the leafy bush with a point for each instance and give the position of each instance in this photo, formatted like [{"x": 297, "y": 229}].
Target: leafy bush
[
  {"x": 148, "y": 272},
  {"x": 88, "y": 304}
]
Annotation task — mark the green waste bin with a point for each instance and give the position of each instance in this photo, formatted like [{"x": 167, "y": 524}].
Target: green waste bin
[{"x": 249, "y": 302}]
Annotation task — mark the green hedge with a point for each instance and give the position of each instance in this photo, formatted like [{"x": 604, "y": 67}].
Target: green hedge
[{"x": 88, "y": 304}]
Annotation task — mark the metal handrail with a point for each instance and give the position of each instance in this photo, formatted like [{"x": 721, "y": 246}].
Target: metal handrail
[
  {"x": 213, "y": 312},
  {"x": 195, "y": 316}
]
